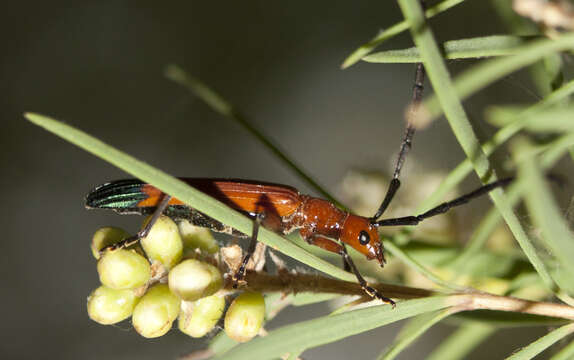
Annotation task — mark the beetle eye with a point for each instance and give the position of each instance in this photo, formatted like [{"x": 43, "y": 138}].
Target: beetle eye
[{"x": 364, "y": 237}]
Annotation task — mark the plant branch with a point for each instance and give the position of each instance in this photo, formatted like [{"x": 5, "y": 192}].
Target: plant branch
[
  {"x": 294, "y": 283},
  {"x": 288, "y": 282}
]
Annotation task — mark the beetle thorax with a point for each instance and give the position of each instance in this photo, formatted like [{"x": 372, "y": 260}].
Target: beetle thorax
[{"x": 318, "y": 216}]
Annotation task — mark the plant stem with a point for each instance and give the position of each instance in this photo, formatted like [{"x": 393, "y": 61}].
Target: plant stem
[{"x": 288, "y": 282}]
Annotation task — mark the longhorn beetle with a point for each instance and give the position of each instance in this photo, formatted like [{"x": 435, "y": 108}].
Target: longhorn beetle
[{"x": 281, "y": 208}]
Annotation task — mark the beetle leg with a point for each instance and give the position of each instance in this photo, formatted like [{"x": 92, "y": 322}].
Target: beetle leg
[
  {"x": 372, "y": 292},
  {"x": 340, "y": 249},
  {"x": 240, "y": 273},
  {"x": 324, "y": 243},
  {"x": 346, "y": 266},
  {"x": 143, "y": 232},
  {"x": 331, "y": 246}
]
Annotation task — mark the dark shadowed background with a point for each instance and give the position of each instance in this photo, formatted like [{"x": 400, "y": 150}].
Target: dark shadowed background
[{"x": 98, "y": 65}]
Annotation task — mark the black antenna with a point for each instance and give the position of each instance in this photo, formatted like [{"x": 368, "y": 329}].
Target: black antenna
[
  {"x": 406, "y": 144},
  {"x": 446, "y": 206}
]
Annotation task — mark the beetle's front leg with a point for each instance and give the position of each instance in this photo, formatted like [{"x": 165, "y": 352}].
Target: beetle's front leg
[
  {"x": 319, "y": 241},
  {"x": 369, "y": 290},
  {"x": 333, "y": 246}
]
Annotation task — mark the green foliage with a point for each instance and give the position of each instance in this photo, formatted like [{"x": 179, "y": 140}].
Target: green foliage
[
  {"x": 410, "y": 332},
  {"x": 488, "y": 46},
  {"x": 324, "y": 330},
  {"x": 460, "y": 343},
  {"x": 530, "y": 351}
]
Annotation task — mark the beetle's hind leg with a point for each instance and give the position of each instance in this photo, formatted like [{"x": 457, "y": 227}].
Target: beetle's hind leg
[{"x": 162, "y": 206}]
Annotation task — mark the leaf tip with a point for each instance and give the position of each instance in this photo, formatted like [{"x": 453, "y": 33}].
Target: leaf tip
[
  {"x": 34, "y": 117},
  {"x": 351, "y": 60},
  {"x": 175, "y": 73}
]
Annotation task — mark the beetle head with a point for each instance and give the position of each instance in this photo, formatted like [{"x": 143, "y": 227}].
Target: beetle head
[{"x": 363, "y": 236}]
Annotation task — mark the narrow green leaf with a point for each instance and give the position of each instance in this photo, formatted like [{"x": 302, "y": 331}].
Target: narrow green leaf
[
  {"x": 542, "y": 343},
  {"x": 551, "y": 153},
  {"x": 460, "y": 343},
  {"x": 302, "y": 299},
  {"x": 554, "y": 151},
  {"x": 442, "y": 84},
  {"x": 456, "y": 176},
  {"x": 223, "y": 107},
  {"x": 328, "y": 329},
  {"x": 202, "y": 91},
  {"x": 428, "y": 253},
  {"x": 567, "y": 353},
  {"x": 489, "y": 71},
  {"x": 549, "y": 120},
  {"x": 555, "y": 234},
  {"x": 503, "y": 319},
  {"x": 482, "y": 232},
  {"x": 543, "y": 73},
  {"x": 410, "y": 261},
  {"x": 392, "y": 31},
  {"x": 294, "y": 355},
  {"x": 479, "y": 47},
  {"x": 460, "y": 125},
  {"x": 516, "y": 23},
  {"x": 183, "y": 192},
  {"x": 222, "y": 343},
  {"x": 411, "y": 331}
]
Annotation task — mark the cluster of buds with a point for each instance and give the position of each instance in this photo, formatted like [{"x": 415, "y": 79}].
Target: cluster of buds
[{"x": 171, "y": 274}]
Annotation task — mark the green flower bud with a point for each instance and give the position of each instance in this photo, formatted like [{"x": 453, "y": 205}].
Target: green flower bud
[
  {"x": 244, "y": 317},
  {"x": 106, "y": 236},
  {"x": 156, "y": 311},
  {"x": 108, "y": 306},
  {"x": 200, "y": 317},
  {"x": 193, "y": 279},
  {"x": 123, "y": 269},
  {"x": 196, "y": 237},
  {"x": 163, "y": 242}
]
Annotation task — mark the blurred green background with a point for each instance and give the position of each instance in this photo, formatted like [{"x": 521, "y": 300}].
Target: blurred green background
[{"x": 98, "y": 65}]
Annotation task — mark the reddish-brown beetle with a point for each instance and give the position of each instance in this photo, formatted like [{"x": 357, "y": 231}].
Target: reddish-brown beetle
[{"x": 279, "y": 208}]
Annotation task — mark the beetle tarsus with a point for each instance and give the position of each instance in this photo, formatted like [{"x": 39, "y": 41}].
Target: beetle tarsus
[
  {"x": 369, "y": 290},
  {"x": 125, "y": 243},
  {"x": 375, "y": 294},
  {"x": 237, "y": 278}
]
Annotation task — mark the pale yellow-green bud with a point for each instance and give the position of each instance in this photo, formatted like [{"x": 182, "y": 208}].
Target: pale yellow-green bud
[
  {"x": 123, "y": 269},
  {"x": 106, "y": 236},
  {"x": 196, "y": 237},
  {"x": 200, "y": 317},
  {"x": 156, "y": 311},
  {"x": 163, "y": 242},
  {"x": 193, "y": 279},
  {"x": 108, "y": 306},
  {"x": 244, "y": 317}
]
